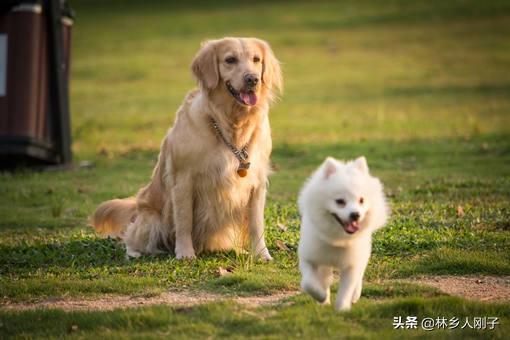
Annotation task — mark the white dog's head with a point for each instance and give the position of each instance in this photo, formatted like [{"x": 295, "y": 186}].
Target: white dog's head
[{"x": 345, "y": 195}]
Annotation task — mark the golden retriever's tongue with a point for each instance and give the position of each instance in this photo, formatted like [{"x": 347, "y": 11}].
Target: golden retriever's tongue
[
  {"x": 249, "y": 98},
  {"x": 352, "y": 227}
]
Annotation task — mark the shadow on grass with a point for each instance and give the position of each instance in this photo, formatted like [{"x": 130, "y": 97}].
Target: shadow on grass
[{"x": 91, "y": 266}]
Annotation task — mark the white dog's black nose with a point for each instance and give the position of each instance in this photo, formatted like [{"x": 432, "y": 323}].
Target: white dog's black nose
[
  {"x": 354, "y": 216},
  {"x": 251, "y": 79}
]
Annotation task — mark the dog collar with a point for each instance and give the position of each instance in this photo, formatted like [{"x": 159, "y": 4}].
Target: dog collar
[{"x": 241, "y": 154}]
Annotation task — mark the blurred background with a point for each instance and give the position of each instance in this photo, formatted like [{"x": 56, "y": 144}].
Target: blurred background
[
  {"x": 354, "y": 70},
  {"x": 422, "y": 88}
]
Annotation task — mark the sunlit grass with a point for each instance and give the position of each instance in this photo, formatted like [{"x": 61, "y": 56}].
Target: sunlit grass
[{"x": 420, "y": 88}]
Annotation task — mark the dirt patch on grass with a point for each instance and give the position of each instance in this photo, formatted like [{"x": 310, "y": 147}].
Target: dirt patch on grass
[
  {"x": 481, "y": 288},
  {"x": 179, "y": 299}
]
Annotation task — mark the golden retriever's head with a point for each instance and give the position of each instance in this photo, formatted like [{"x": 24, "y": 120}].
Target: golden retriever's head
[{"x": 243, "y": 70}]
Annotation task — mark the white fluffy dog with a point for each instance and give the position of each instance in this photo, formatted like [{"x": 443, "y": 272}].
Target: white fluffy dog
[{"x": 341, "y": 206}]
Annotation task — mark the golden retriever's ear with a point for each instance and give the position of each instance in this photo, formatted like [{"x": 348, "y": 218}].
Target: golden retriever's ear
[
  {"x": 271, "y": 71},
  {"x": 205, "y": 66}
]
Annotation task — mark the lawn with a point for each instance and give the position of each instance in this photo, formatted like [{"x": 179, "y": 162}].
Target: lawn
[{"x": 421, "y": 88}]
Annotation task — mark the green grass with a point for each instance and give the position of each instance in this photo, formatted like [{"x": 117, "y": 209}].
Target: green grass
[
  {"x": 421, "y": 88},
  {"x": 296, "y": 318}
]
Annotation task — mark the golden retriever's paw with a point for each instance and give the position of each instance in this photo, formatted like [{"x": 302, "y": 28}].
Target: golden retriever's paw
[
  {"x": 186, "y": 254},
  {"x": 266, "y": 258},
  {"x": 184, "y": 250},
  {"x": 131, "y": 253},
  {"x": 264, "y": 255}
]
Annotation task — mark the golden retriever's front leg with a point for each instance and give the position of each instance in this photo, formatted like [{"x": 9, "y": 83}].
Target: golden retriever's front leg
[
  {"x": 182, "y": 205},
  {"x": 256, "y": 224}
]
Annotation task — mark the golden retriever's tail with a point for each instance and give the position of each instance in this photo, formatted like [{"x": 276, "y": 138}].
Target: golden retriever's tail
[{"x": 112, "y": 217}]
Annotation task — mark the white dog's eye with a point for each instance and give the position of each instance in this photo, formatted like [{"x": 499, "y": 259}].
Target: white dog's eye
[
  {"x": 256, "y": 59},
  {"x": 231, "y": 60},
  {"x": 340, "y": 202},
  {"x": 361, "y": 200}
]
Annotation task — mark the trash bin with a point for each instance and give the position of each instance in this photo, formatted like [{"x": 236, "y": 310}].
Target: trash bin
[{"x": 35, "y": 45}]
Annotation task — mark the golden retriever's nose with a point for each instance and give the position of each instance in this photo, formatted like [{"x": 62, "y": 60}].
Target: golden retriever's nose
[{"x": 251, "y": 80}]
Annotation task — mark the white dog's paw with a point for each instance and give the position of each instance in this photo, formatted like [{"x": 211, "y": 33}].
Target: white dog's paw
[
  {"x": 315, "y": 291},
  {"x": 327, "y": 301},
  {"x": 357, "y": 294},
  {"x": 342, "y": 307}
]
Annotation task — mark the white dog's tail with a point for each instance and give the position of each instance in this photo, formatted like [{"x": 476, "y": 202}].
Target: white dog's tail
[{"x": 112, "y": 217}]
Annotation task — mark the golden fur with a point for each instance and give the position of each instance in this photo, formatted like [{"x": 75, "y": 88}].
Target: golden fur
[{"x": 195, "y": 200}]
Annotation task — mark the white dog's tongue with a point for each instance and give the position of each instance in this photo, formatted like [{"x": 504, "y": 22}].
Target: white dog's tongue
[
  {"x": 249, "y": 98},
  {"x": 352, "y": 227}
]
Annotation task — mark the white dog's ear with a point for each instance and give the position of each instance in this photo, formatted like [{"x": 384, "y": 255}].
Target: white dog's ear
[
  {"x": 205, "y": 66},
  {"x": 271, "y": 70},
  {"x": 329, "y": 167},
  {"x": 361, "y": 164}
]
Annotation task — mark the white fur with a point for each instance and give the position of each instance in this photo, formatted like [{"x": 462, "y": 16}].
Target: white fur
[{"x": 324, "y": 243}]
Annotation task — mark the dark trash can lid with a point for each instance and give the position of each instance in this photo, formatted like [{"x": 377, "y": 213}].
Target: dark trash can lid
[{"x": 7, "y": 5}]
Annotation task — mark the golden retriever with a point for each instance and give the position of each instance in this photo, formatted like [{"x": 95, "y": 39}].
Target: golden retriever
[{"x": 208, "y": 189}]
